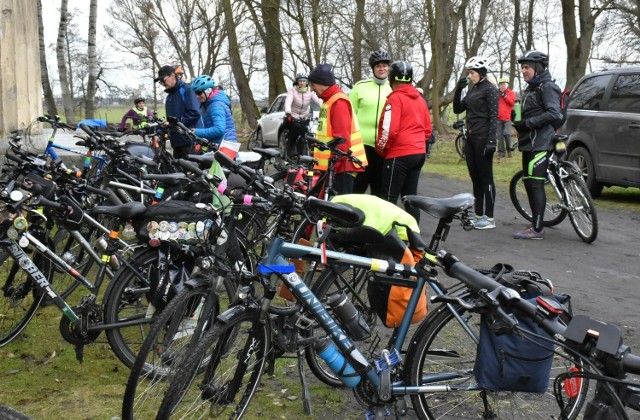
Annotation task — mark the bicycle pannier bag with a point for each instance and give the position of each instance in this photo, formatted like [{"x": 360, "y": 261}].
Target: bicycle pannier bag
[
  {"x": 511, "y": 362},
  {"x": 176, "y": 221}
]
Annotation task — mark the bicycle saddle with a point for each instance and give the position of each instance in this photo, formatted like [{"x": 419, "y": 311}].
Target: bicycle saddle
[
  {"x": 124, "y": 211},
  {"x": 167, "y": 179},
  {"x": 341, "y": 213},
  {"x": 440, "y": 207},
  {"x": 268, "y": 153}
]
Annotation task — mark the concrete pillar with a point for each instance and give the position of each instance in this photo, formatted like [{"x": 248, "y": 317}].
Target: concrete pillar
[{"x": 20, "y": 85}]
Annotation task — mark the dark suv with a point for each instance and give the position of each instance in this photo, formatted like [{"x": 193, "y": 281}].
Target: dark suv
[{"x": 603, "y": 125}]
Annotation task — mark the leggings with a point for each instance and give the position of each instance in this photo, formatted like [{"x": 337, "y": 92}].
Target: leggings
[
  {"x": 371, "y": 177},
  {"x": 400, "y": 177},
  {"x": 534, "y": 166},
  {"x": 480, "y": 166}
]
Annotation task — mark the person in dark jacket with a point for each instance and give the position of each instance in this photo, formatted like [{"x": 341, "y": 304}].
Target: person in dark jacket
[
  {"x": 216, "y": 111},
  {"x": 138, "y": 115},
  {"x": 540, "y": 109},
  {"x": 481, "y": 105},
  {"x": 403, "y": 130},
  {"x": 183, "y": 105}
]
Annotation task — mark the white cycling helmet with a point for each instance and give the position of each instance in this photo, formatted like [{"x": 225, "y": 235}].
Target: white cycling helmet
[{"x": 477, "y": 62}]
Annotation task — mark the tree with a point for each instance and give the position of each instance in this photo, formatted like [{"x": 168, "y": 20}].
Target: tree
[
  {"x": 44, "y": 71},
  {"x": 92, "y": 62},
  {"x": 63, "y": 71}
]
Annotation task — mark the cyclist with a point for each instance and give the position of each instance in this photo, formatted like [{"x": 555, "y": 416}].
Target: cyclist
[
  {"x": 368, "y": 98},
  {"x": 404, "y": 129},
  {"x": 481, "y": 105},
  {"x": 540, "y": 109},
  {"x": 296, "y": 109},
  {"x": 216, "y": 111},
  {"x": 138, "y": 113},
  {"x": 337, "y": 120},
  {"x": 505, "y": 106}
]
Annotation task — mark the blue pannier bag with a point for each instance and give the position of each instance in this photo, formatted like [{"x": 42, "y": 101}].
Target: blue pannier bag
[{"x": 508, "y": 361}]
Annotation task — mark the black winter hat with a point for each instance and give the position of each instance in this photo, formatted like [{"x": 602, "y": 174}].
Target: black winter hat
[{"x": 322, "y": 75}]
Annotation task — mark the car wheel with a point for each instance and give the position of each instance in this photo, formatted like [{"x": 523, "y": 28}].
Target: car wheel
[
  {"x": 581, "y": 157},
  {"x": 282, "y": 144}
]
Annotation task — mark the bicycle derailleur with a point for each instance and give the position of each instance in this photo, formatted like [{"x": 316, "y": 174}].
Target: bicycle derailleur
[{"x": 89, "y": 313}]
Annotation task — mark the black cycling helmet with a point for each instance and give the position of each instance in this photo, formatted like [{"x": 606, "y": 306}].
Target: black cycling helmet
[
  {"x": 401, "y": 71},
  {"x": 536, "y": 59},
  {"x": 379, "y": 56},
  {"x": 138, "y": 100}
]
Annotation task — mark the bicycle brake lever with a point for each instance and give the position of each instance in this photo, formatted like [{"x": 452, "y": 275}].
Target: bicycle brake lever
[{"x": 459, "y": 301}]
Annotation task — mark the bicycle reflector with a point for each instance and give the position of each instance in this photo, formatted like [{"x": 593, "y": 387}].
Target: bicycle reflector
[{"x": 572, "y": 384}]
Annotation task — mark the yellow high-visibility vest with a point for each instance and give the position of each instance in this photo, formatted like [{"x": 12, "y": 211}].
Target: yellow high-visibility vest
[
  {"x": 142, "y": 114},
  {"x": 325, "y": 134}
]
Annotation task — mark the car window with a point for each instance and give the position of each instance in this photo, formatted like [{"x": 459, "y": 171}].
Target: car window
[
  {"x": 277, "y": 105},
  {"x": 588, "y": 95},
  {"x": 626, "y": 94}
]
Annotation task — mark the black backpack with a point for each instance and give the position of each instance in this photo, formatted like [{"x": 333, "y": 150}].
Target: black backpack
[{"x": 564, "y": 104}]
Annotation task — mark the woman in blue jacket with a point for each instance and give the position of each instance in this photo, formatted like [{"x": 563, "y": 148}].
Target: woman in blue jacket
[{"x": 216, "y": 111}]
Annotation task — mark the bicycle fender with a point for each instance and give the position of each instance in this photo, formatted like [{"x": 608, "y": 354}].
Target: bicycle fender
[
  {"x": 571, "y": 167},
  {"x": 234, "y": 312},
  {"x": 197, "y": 281}
]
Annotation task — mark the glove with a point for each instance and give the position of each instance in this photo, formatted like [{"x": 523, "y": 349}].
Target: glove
[
  {"x": 288, "y": 119},
  {"x": 462, "y": 83},
  {"x": 490, "y": 147},
  {"x": 520, "y": 126}
]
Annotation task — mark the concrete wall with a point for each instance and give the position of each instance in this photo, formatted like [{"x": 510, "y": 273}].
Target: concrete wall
[{"x": 20, "y": 84}]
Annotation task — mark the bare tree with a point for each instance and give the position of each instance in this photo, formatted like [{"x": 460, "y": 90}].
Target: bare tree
[
  {"x": 92, "y": 62},
  {"x": 44, "y": 71},
  {"x": 63, "y": 72}
]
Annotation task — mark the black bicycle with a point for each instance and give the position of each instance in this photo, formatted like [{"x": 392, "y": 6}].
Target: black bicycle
[{"x": 461, "y": 139}]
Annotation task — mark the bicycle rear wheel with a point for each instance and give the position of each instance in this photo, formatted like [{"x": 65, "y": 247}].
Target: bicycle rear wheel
[
  {"x": 237, "y": 350},
  {"x": 554, "y": 213},
  {"x": 460, "y": 140},
  {"x": 443, "y": 353},
  {"x": 582, "y": 210}
]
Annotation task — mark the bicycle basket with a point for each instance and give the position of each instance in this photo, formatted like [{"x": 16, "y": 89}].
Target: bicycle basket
[{"x": 177, "y": 221}]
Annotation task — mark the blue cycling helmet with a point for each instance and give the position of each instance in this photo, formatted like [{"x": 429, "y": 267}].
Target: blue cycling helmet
[{"x": 203, "y": 82}]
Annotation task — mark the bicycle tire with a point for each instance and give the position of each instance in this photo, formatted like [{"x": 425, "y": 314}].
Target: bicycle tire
[
  {"x": 125, "y": 299},
  {"x": 19, "y": 296},
  {"x": 555, "y": 211},
  {"x": 460, "y": 143},
  {"x": 353, "y": 281},
  {"x": 241, "y": 337},
  {"x": 166, "y": 343},
  {"x": 582, "y": 209},
  {"x": 252, "y": 141},
  {"x": 9, "y": 413},
  {"x": 442, "y": 346}
]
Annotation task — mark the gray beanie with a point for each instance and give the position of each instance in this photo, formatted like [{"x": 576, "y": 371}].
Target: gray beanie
[{"x": 322, "y": 75}]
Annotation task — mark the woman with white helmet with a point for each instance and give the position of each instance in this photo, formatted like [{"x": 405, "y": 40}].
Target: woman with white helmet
[{"x": 481, "y": 106}]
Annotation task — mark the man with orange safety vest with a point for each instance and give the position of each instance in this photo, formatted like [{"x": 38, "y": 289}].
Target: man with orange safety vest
[{"x": 336, "y": 119}]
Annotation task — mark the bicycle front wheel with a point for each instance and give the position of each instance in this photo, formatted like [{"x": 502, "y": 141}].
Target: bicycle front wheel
[
  {"x": 582, "y": 210},
  {"x": 460, "y": 140},
  {"x": 443, "y": 353},
  {"x": 237, "y": 350},
  {"x": 554, "y": 213}
]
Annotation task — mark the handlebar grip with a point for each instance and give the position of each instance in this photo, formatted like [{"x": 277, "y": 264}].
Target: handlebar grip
[
  {"x": 183, "y": 127},
  {"x": 95, "y": 190},
  {"x": 87, "y": 130},
  {"x": 225, "y": 160},
  {"x": 13, "y": 158},
  {"x": 474, "y": 280},
  {"x": 190, "y": 166},
  {"x": 631, "y": 363},
  {"x": 41, "y": 201}
]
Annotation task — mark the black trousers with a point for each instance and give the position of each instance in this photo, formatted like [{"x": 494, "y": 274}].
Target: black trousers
[
  {"x": 400, "y": 177},
  {"x": 480, "y": 166},
  {"x": 372, "y": 175}
]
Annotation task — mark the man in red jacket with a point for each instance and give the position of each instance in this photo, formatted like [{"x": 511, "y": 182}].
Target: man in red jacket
[
  {"x": 404, "y": 127},
  {"x": 505, "y": 104}
]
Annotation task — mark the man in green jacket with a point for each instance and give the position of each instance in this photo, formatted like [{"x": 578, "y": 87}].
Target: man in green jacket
[{"x": 368, "y": 98}]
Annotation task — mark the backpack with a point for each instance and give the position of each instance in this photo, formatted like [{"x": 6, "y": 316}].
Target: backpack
[{"x": 564, "y": 104}]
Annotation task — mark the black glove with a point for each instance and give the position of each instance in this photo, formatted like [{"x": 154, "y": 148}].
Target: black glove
[
  {"x": 520, "y": 126},
  {"x": 462, "y": 83},
  {"x": 490, "y": 147}
]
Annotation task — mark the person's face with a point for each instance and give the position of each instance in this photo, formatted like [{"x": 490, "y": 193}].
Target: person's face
[
  {"x": 528, "y": 72},
  {"x": 302, "y": 83},
  {"x": 139, "y": 105},
  {"x": 381, "y": 70},
  {"x": 503, "y": 86},
  {"x": 318, "y": 89},
  {"x": 169, "y": 81},
  {"x": 201, "y": 95},
  {"x": 474, "y": 76}
]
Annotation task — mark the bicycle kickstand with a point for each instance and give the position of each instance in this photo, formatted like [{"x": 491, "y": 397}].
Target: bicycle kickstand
[{"x": 306, "y": 398}]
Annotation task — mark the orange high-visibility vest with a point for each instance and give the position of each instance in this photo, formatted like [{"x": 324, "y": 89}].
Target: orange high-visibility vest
[{"x": 325, "y": 131}]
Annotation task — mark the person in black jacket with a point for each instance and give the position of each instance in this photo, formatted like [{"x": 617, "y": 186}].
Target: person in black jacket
[
  {"x": 481, "y": 105},
  {"x": 540, "y": 109}
]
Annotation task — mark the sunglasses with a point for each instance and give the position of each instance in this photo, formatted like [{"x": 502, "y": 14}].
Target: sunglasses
[{"x": 163, "y": 82}]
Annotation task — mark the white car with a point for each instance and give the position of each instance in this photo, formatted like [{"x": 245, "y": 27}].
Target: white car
[{"x": 270, "y": 132}]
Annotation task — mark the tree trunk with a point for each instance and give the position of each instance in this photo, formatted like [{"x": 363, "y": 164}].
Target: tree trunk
[
  {"x": 67, "y": 95},
  {"x": 44, "y": 71},
  {"x": 273, "y": 47},
  {"x": 92, "y": 62},
  {"x": 357, "y": 41},
  {"x": 247, "y": 103},
  {"x": 513, "y": 65}
]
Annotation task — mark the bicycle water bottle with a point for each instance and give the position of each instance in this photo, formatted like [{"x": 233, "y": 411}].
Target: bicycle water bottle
[
  {"x": 518, "y": 110},
  {"x": 335, "y": 360},
  {"x": 353, "y": 321}
]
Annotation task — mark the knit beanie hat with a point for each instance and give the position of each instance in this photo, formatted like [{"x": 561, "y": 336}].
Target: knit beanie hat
[{"x": 322, "y": 75}]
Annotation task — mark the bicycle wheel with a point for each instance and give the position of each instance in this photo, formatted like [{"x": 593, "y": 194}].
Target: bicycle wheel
[
  {"x": 19, "y": 297},
  {"x": 582, "y": 210},
  {"x": 443, "y": 348},
  {"x": 555, "y": 212},
  {"x": 460, "y": 140},
  {"x": 237, "y": 350},
  {"x": 9, "y": 413},
  {"x": 254, "y": 140},
  {"x": 353, "y": 282},
  {"x": 176, "y": 330}
]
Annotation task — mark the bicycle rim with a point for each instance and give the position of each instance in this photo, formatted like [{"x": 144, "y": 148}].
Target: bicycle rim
[
  {"x": 442, "y": 347},
  {"x": 582, "y": 212},
  {"x": 237, "y": 351}
]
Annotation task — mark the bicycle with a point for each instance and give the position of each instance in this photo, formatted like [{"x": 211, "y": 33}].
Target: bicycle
[
  {"x": 305, "y": 128},
  {"x": 566, "y": 192},
  {"x": 461, "y": 138},
  {"x": 239, "y": 344}
]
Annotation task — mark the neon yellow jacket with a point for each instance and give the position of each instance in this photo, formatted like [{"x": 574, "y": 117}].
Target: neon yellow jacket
[{"x": 368, "y": 98}]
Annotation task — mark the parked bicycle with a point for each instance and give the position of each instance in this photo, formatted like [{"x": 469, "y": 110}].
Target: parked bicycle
[
  {"x": 461, "y": 139},
  {"x": 567, "y": 195}
]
